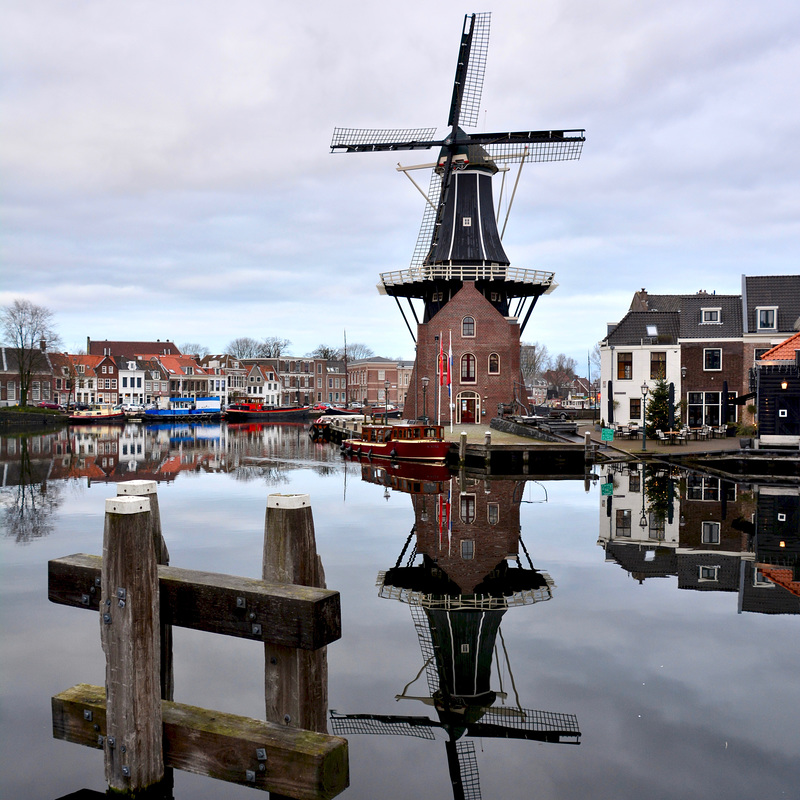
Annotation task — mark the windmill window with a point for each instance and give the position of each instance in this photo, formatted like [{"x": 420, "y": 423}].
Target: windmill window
[
  {"x": 467, "y": 222},
  {"x": 494, "y": 364},
  {"x": 467, "y": 508},
  {"x": 468, "y": 326},
  {"x": 468, "y": 368},
  {"x": 493, "y": 513},
  {"x": 467, "y": 549}
]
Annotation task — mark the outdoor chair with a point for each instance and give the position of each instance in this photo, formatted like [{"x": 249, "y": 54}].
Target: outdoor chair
[{"x": 662, "y": 437}]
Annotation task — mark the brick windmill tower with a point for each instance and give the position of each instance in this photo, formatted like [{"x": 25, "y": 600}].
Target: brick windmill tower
[{"x": 470, "y": 294}]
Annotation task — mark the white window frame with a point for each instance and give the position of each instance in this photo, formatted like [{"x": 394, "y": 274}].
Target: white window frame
[
  {"x": 712, "y": 369},
  {"x": 708, "y": 573},
  {"x": 714, "y": 314},
  {"x": 714, "y": 530},
  {"x": 774, "y": 310}
]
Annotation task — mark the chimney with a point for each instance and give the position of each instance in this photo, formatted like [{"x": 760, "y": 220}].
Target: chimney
[{"x": 43, "y": 345}]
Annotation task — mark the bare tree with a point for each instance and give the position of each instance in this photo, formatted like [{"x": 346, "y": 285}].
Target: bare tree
[
  {"x": 244, "y": 347},
  {"x": 327, "y": 352},
  {"x": 594, "y": 361},
  {"x": 561, "y": 370},
  {"x": 357, "y": 350},
  {"x": 533, "y": 360},
  {"x": 29, "y": 330},
  {"x": 194, "y": 349},
  {"x": 273, "y": 347}
]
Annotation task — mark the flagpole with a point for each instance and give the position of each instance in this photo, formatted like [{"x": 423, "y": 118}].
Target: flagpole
[
  {"x": 439, "y": 404},
  {"x": 450, "y": 379}
]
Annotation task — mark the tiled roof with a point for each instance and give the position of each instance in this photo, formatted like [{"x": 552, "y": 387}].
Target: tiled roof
[
  {"x": 132, "y": 348},
  {"x": 730, "y": 316},
  {"x": 656, "y": 326},
  {"x": 782, "y": 291},
  {"x": 785, "y": 351}
]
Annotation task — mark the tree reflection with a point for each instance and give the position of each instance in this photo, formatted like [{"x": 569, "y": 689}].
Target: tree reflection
[{"x": 29, "y": 501}]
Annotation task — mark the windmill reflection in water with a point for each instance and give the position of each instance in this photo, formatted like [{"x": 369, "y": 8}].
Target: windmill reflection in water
[{"x": 458, "y": 594}]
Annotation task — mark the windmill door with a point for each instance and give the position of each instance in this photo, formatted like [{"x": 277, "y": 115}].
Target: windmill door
[{"x": 468, "y": 408}]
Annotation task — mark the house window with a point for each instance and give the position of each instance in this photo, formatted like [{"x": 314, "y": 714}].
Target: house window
[
  {"x": 625, "y": 366},
  {"x": 623, "y": 522},
  {"x": 710, "y": 316},
  {"x": 467, "y": 508},
  {"x": 709, "y": 573},
  {"x": 636, "y": 408},
  {"x": 712, "y": 359},
  {"x": 468, "y": 326},
  {"x": 658, "y": 366},
  {"x": 494, "y": 364},
  {"x": 656, "y": 527},
  {"x": 767, "y": 318},
  {"x": 635, "y": 482},
  {"x": 468, "y": 368},
  {"x": 710, "y": 533},
  {"x": 758, "y": 352}
]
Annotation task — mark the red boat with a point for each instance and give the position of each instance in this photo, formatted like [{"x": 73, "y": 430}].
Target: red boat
[
  {"x": 250, "y": 412},
  {"x": 409, "y": 477},
  {"x": 405, "y": 442}
]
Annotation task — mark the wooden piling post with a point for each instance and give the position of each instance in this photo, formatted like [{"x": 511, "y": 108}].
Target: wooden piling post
[
  {"x": 129, "y": 631},
  {"x": 462, "y": 447},
  {"x": 296, "y": 681},
  {"x": 149, "y": 489}
]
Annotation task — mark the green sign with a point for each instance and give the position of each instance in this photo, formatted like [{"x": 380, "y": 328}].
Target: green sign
[
  {"x": 606, "y": 489},
  {"x": 606, "y": 434}
]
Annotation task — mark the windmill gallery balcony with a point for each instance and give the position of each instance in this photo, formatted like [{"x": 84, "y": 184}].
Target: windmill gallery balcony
[{"x": 518, "y": 282}]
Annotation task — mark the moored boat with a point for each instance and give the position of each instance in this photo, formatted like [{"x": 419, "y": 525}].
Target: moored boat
[
  {"x": 244, "y": 412},
  {"x": 406, "y": 442},
  {"x": 186, "y": 408},
  {"x": 96, "y": 414}
]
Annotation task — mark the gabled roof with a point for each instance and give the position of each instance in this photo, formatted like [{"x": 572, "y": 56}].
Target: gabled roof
[
  {"x": 785, "y": 351},
  {"x": 177, "y": 365},
  {"x": 729, "y": 325},
  {"x": 782, "y": 291},
  {"x": 132, "y": 348},
  {"x": 654, "y": 327}
]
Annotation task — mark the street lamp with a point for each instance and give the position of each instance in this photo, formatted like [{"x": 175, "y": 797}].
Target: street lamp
[
  {"x": 386, "y": 386},
  {"x": 425, "y": 382},
  {"x": 643, "y": 518},
  {"x": 644, "y": 416}
]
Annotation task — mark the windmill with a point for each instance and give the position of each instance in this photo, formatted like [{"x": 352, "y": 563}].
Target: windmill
[
  {"x": 458, "y": 633},
  {"x": 459, "y": 238}
]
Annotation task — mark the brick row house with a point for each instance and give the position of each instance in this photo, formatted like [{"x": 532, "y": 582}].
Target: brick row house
[
  {"x": 40, "y": 389},
  {"x": 701, "y": 343},
  {"x": 367, "y": 381}
]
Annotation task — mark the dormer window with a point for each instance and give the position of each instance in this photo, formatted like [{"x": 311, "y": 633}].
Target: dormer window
[
  {"x": 767, "y": 318},
  {"x": 710, "y": 316}
]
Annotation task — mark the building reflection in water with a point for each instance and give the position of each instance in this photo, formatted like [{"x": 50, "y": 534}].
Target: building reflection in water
[
  {"x": 462, "y": 567},
  {"x": 712, "y": 534}
]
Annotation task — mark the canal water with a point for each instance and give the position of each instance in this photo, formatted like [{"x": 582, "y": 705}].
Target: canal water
[{"x": 634, "y": 634}]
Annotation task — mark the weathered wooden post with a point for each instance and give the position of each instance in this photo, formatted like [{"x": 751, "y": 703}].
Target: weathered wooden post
[
  {"x": 149, "y": 490},
  {"x": 462, "y": 447},
  {"x": 129, "y": 631},
  {"x": 296, "y": 681}
]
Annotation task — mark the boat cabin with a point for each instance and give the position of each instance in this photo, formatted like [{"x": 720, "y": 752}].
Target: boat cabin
[{"x": 393, "y": 433}]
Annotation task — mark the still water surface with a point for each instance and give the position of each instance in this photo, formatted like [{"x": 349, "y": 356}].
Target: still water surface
[{"x": 655, "y": 622}]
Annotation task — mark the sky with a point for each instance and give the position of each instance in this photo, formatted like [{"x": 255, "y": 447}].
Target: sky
[{"x": 165, "y": 170}]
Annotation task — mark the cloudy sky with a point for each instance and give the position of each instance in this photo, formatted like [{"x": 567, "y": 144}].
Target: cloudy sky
[{"x": 166, "y": 169}]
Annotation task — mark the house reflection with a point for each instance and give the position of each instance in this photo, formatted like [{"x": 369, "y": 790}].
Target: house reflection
[
  {"x": 462, "y": 567},
  {"x": 710, "y": 533}
]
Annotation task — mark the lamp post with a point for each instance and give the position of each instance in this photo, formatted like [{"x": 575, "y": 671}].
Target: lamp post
[
  {"x": 643, "y": 518},
  {"x": 386, "y": 386},
  {"x": 644, "y": 417},
  {"x": 425, "y": 382}
]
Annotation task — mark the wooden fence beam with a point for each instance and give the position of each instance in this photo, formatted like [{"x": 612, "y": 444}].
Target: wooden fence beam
[
  {"x": 293, "y": 616},
  {"x": 262, "y": 755}
]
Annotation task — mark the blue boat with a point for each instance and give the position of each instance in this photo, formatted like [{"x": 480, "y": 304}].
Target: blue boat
[{"x": 186, "y": 408}]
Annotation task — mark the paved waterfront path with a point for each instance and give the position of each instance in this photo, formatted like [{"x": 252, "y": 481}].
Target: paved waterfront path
[{"x": 476, "y": 435}]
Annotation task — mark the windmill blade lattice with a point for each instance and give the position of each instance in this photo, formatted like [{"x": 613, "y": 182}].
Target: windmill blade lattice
[
  {"x": 468, "y": 761},
  {"x": 472, "y": 86},
  {"x": 357, "y": 140},
  {"x": 425, "y": 234}
]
